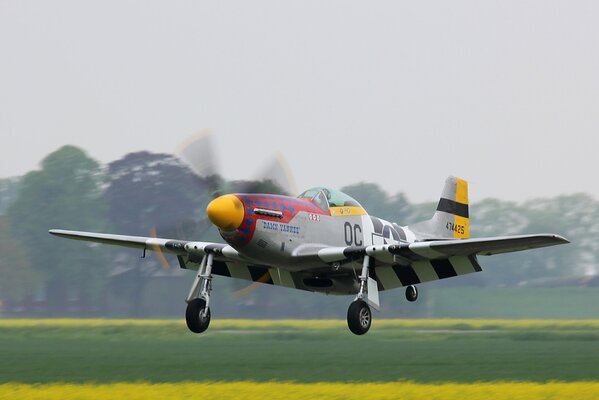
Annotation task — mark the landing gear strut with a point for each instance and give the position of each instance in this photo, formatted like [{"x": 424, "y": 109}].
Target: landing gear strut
[
  {"x": 359, "y": 316},
  {"x": 411, "y": 293},
  {"x": 197, "y": 314}
]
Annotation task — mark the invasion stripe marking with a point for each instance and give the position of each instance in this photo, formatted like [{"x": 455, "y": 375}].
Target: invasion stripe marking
[
  {"x": 406, "y": 275},
  {"x": 257, "y": 274},
  {"x": 475, "y": 263},
  {"x": 462, "y": 265},
  {"x": 298, "y": 281},
  {"x": 372, "y": 272},
  {"x": 239, "y": 271},
  {"x": 453, "y": 207},
  {"x": 443, "y": 268},
  {"x": 220, "y": 268},
  {"x": 388, "y": 277},
  {"x": 181, "y": 262},
  {"x": 282, "y": 277},
  {"x": 425, "y": 271}
]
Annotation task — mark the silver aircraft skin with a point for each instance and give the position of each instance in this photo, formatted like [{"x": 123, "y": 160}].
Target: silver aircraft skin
[{"x": 324, "y": 241}]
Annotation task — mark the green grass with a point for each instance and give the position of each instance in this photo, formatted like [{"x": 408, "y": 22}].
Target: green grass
[
  {"x": 427, "y": 351},
  {"x": 569, "y": 303}
]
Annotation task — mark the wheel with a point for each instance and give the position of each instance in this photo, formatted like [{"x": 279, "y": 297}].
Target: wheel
[
  {"x": 193, "y": 316},
  {"x": 411, "y": 293},
  {"x": 359, "y": 317}
]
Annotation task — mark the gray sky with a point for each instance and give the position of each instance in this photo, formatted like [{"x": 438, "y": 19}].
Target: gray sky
[{"x": 502, "y": 93}]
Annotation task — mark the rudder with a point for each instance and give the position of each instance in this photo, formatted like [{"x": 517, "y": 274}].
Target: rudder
[{"x": 451, "y": 219}]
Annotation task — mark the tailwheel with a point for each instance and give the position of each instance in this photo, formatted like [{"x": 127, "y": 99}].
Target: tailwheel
[
  {"x": 197, "y": 315},
  {"x": 411, "y": 293},
  {"x": 359, "y": 317}
]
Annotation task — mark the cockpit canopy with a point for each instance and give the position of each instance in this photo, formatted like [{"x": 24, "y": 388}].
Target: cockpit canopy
[{"x": 326, "y": 197}]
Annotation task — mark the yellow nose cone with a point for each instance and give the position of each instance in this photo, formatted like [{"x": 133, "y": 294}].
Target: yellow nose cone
[{"x": 226, "y": 212}]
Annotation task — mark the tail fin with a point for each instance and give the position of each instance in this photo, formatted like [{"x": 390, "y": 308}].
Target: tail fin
[{"x": 451, "y": 220}]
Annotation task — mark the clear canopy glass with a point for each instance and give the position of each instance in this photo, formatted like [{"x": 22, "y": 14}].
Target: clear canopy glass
[{"x": 325, "y": 197}]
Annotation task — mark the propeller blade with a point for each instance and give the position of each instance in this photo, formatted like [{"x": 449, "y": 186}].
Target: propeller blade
[
  {"x": 198, "y": 153},
  {"x": 161, "y": 258},
  {"x": 279, "y": 172},
  {"x": 250, "y": 288}
]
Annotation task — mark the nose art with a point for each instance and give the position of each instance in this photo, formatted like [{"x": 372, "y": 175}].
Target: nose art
[{"x": 226, "y": 212}]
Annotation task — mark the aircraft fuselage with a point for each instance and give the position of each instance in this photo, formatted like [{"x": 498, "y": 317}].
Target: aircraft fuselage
[{"x": 276, "y": 230}]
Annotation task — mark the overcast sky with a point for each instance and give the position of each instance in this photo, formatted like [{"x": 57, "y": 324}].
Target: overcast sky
[{"x": 502, "y": 93}]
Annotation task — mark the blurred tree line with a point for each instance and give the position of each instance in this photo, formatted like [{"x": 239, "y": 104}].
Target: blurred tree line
[{"x": 151, "y": 194}]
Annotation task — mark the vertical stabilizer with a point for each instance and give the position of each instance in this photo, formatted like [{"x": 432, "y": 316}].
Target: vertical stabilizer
[{"x": 451, "y": 219}]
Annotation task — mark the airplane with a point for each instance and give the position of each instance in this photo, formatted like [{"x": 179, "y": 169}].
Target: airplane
[{"x": 325, "y": 241}]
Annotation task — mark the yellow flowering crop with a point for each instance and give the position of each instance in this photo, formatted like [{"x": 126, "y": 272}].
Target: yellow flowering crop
[
  {"x": 313, "y": 324},
  {"x": 292, "y": 391}
]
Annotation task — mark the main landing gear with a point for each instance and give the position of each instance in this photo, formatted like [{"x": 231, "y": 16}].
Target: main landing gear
[
  {"x": 197, "y": 314},
  {"x": 359, "y": 316}
]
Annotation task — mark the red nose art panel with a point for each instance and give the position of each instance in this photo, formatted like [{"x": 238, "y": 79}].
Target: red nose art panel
[{"x": 289, "y": 206}]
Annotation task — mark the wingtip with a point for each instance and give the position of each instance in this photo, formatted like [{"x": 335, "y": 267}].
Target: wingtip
[
  {"x": 563, "y": 239},
  {"x": 560, "y": 239}
]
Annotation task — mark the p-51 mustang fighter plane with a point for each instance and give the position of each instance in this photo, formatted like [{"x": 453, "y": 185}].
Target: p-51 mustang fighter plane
[{"x": 324, "y": 241}]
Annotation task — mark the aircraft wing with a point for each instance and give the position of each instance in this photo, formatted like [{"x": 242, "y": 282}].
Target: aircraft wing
[
  {"x": 467, "y": 247},
  {"x": 171, "y": 246},
  {"x": 439, "y": 249},
  {"x": 227, "y": 261},
  {"x": 395, "y": 265},
  {"x": 404, "y": 264}
]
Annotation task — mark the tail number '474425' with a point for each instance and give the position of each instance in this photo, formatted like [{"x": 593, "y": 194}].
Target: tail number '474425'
[{"x": 455, "y": 227}]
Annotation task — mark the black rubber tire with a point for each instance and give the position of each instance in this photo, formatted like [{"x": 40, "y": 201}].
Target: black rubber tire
[
  {"x": 195, "y": 322},
  {"x": 359, "y": 317},
  {"x": 411, "y": 293}
]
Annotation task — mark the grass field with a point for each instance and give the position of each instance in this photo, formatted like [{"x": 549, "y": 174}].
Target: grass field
[{"x": 424, "y": 353}]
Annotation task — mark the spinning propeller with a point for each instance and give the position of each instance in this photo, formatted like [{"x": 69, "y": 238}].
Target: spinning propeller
[{"x": 197, "y": 152}]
